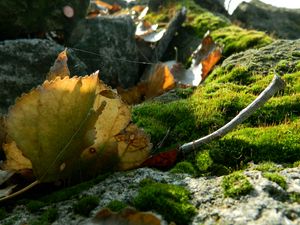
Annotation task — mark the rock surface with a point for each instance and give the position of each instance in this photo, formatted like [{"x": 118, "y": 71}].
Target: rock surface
[
  {"x": 284, "y": 23},
  {"x": 24, "y": 64},
  {"x": 266, "y": 58},
  {"x": 21, "y": 18},
  {"x": 107, "y": 44},
  {"x": 268, "y": 203}
]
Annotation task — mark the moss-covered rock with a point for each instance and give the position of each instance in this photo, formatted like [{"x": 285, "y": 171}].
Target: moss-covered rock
[{"x": 236, "y": 39}]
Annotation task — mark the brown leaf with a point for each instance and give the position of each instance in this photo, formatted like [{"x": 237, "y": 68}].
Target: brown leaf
[
  {"x": 162, "y": 160},
  {"x": 128, "y": 216},
  {"x": 60, "y": 67},
  {"x": 158, "y": 81},
  {"x": 204, "y": 59},
  {"x": 207, "y": 54}
]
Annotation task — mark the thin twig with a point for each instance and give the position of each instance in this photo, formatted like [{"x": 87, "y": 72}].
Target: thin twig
[
  {"x": 20, "y": 191},
  {"x": 276, "y": 85}
]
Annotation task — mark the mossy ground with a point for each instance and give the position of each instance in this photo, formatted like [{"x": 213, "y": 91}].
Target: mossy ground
[{"x": 270, "y": 134}]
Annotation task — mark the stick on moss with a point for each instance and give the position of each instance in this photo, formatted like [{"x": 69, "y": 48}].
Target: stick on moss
[{"x": 276, "y": 85}]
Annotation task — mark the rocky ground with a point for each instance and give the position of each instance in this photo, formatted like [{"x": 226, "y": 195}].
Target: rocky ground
[{"x": 266, "y": 203}]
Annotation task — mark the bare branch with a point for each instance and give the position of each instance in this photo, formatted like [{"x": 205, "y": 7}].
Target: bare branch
[{"x": 276, "y": 85}]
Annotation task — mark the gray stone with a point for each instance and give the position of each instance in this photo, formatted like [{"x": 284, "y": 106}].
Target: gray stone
[
  {"x": 24, "y": 17},
  {"x": 284, "y": 23},
  {"x": 107, "y": 44},
  {"x": 24, "y": 64}
]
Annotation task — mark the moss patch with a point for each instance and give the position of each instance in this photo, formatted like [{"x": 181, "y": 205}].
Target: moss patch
[
  {"x": 277, "y": 178},
  {"x": 171, "y": 201},
  {"x": 116, "y": 205},
  {"x": 184, "y": 167},
  {"x": 35, "y": 206},
  {"x": 268, "y": 167},
  {"x": 203, "y": 161},
  {"x": 236, "y": 39},
  {"x": 85, "y": 205},
  {"x": 236, "y": 184},
  {"x": 47, "y": 217}
]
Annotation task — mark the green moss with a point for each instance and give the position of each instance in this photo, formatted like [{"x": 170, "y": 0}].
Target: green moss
[
  {"x": 203, "y": 161},
  {"x": 236, "y": 184},
  {"x": 184, "y": 167},
  {"x": 296, "y": 164},
  {"x": 258, "y": 145},
  {"x": 267, "y": 167},
  {"x": 85, "y": 205},
  {"x": 171, "y": 201},
  {"x": 3, "y": 213},
  {"x": 47, "y": 217},
  {"x": 236, "y": 39},
  {"x": 157, "y": 118},
  {"x": 116, "y": 205},
  {"x": 277, "y": 178},
  {"x": 35, "y": 206},
  {"x": 295, "y": 197},
  {"x": 205, "y": 21}
]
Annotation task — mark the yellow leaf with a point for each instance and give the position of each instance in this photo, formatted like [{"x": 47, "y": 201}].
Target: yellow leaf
[
  {"x": 119, "y": 144},
  {"x": 52, "y": 124},
  {"x": 71, "y": 126}
]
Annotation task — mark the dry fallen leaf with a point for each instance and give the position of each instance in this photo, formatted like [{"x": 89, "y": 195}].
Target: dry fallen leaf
[
  {"x": 63, "y": 126},
  {"x": 208, "y": 54},
  {"x": 128, "y": 216},
  {"x": 204, "y": 58},
  {"x": 50, "y": 124},
  {"x": 157, "y": 81}
]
